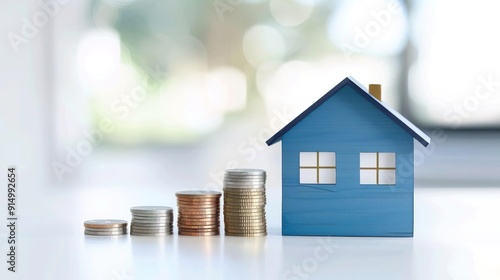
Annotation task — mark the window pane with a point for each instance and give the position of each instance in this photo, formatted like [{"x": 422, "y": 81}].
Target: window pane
[
  {"x": 326, "y": 159},
  {"x": 367, "y": 177},
  {"x": 327, "y": 176},
  {"x": 308, "y": 159},
  {"x": 368, "y": 159},
  {"x": 387, "y": 160},
  {"x": 387, "y": 177},
  {"x": 308, "y": 176}
]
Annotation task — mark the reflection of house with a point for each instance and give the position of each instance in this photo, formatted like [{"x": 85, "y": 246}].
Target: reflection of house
[{"x": 348, "y": 166}]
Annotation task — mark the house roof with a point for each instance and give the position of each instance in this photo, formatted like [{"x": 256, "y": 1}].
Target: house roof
[{"x": 391, "y": 113}]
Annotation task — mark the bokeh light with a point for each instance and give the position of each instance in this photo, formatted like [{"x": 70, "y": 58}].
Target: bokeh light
[
  {"x": 291, "y": 13},
  {"x": 99, "y": 56},
  {"x": 378, "y": 27},
  {"x": 262, "y": 43}
]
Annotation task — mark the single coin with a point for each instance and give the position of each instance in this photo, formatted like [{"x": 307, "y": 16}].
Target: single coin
[
  {"x": 228, "y": 230},
  {"x": 167, "y": 217},
  {"x": 230, "y": 215},
  {"x": 246, "y": 234},
  {"x": 149, "y": 217},
  {"x": 246, "y": 191},
  {"x": 246, "y": 206},
  {"x": 86, "y": 232},
  {"x": 244, "y": 212},
  {"x": 244, "y": 222},
  {"x": 151, "y": 234},
  {"x": 190, "y": 229},
  {"x": 105, "y": 232},
  {"x": 198, "y": 221},
  {"x": 245, "y": 171},
  {"x": 200, "y": 193},
  {"x": 187, "y": 233},
  {"x": 152, "y": 217},
  {"x": 188, "y": 207},
  {"x": 244, "y": 202},
  {"x": 151, "y": 209},
  {"x": 151, "y": 221},
  {"x": 196, "y": 205},
  {"x": 151, "y": 231},
  {"x": 239, "y": 176},
  {"x": 240, "y": 195},
  {"x": 199, "y": 227},
  {"x": 244, "y": 182},
  {"x": 199, "y": 217},
  {"x": 245, "y": 226},
  {"x": 105, "y": 223},
  {"x": 151, "y": 227},
  {"x": 244, "y": 199},
  {"x": 198, "y": 200},
  {"x": 198, "y": 213},
  {"x": 243, "y": 208},
  {"x": 247, "y": 186}
]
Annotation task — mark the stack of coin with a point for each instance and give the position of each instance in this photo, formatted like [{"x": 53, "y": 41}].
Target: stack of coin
[
  {"x": 105, "y": 227},
  {"x": 198, "y": 213},
  {"x": 245, "y": 202},
  {"x": 152, "y": 220}
]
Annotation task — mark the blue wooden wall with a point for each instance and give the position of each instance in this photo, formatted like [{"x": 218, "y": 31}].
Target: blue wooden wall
[{"x": 347, "y": 124}]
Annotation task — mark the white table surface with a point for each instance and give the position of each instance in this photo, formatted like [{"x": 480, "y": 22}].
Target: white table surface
[{"x": 457, "y": 236}]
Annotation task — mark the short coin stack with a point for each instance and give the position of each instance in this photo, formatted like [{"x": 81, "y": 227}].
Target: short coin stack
[
  {"x": 151, "y": 220},
  {"x": 105, "y": 227},
  {"x": 199, "y": 213},
  {"x": 245, "y": 202}
]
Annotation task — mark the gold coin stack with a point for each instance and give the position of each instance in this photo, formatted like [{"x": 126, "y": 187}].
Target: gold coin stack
[
  {"x": 105, "y": 227},
  {"x": 198, "y": 213},
  {"x": 245, "y": 202}
]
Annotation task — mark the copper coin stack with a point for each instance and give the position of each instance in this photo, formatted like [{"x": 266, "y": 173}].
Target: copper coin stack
[
  {"x": 105, "y": 227},
  {"x": 198, "y": 213},
  {"x": 245, "y": 202}
]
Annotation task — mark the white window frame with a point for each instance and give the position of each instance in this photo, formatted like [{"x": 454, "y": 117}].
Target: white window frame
[
  {"x": 380, "y": 167},
  {"x": 319, "y": 167}
]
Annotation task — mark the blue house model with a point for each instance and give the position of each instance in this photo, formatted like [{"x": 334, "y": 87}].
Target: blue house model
[{"x": 347, "y": 166}]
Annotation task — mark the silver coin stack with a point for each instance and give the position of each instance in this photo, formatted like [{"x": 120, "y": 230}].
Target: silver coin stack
[
  {"x": 151, "y": 220},
  {"x": 245, "y": 202},
  {"x": 105, "y": 227}
]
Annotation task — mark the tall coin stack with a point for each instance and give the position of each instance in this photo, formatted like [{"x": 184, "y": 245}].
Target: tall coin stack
[
  {"x": 199, "y": 213},
  {"x": 151, "y": 220},
  {"x": 105, "y": 227},
  {"x": 245, "y": 202}
]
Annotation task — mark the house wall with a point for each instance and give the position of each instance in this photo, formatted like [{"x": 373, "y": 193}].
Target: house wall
[{"x": 347, "y": 124}]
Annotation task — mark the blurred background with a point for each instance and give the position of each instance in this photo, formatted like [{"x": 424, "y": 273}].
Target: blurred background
[
  {"x": 171, "y": 93},
  {"x": 107, "y": 104}
]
